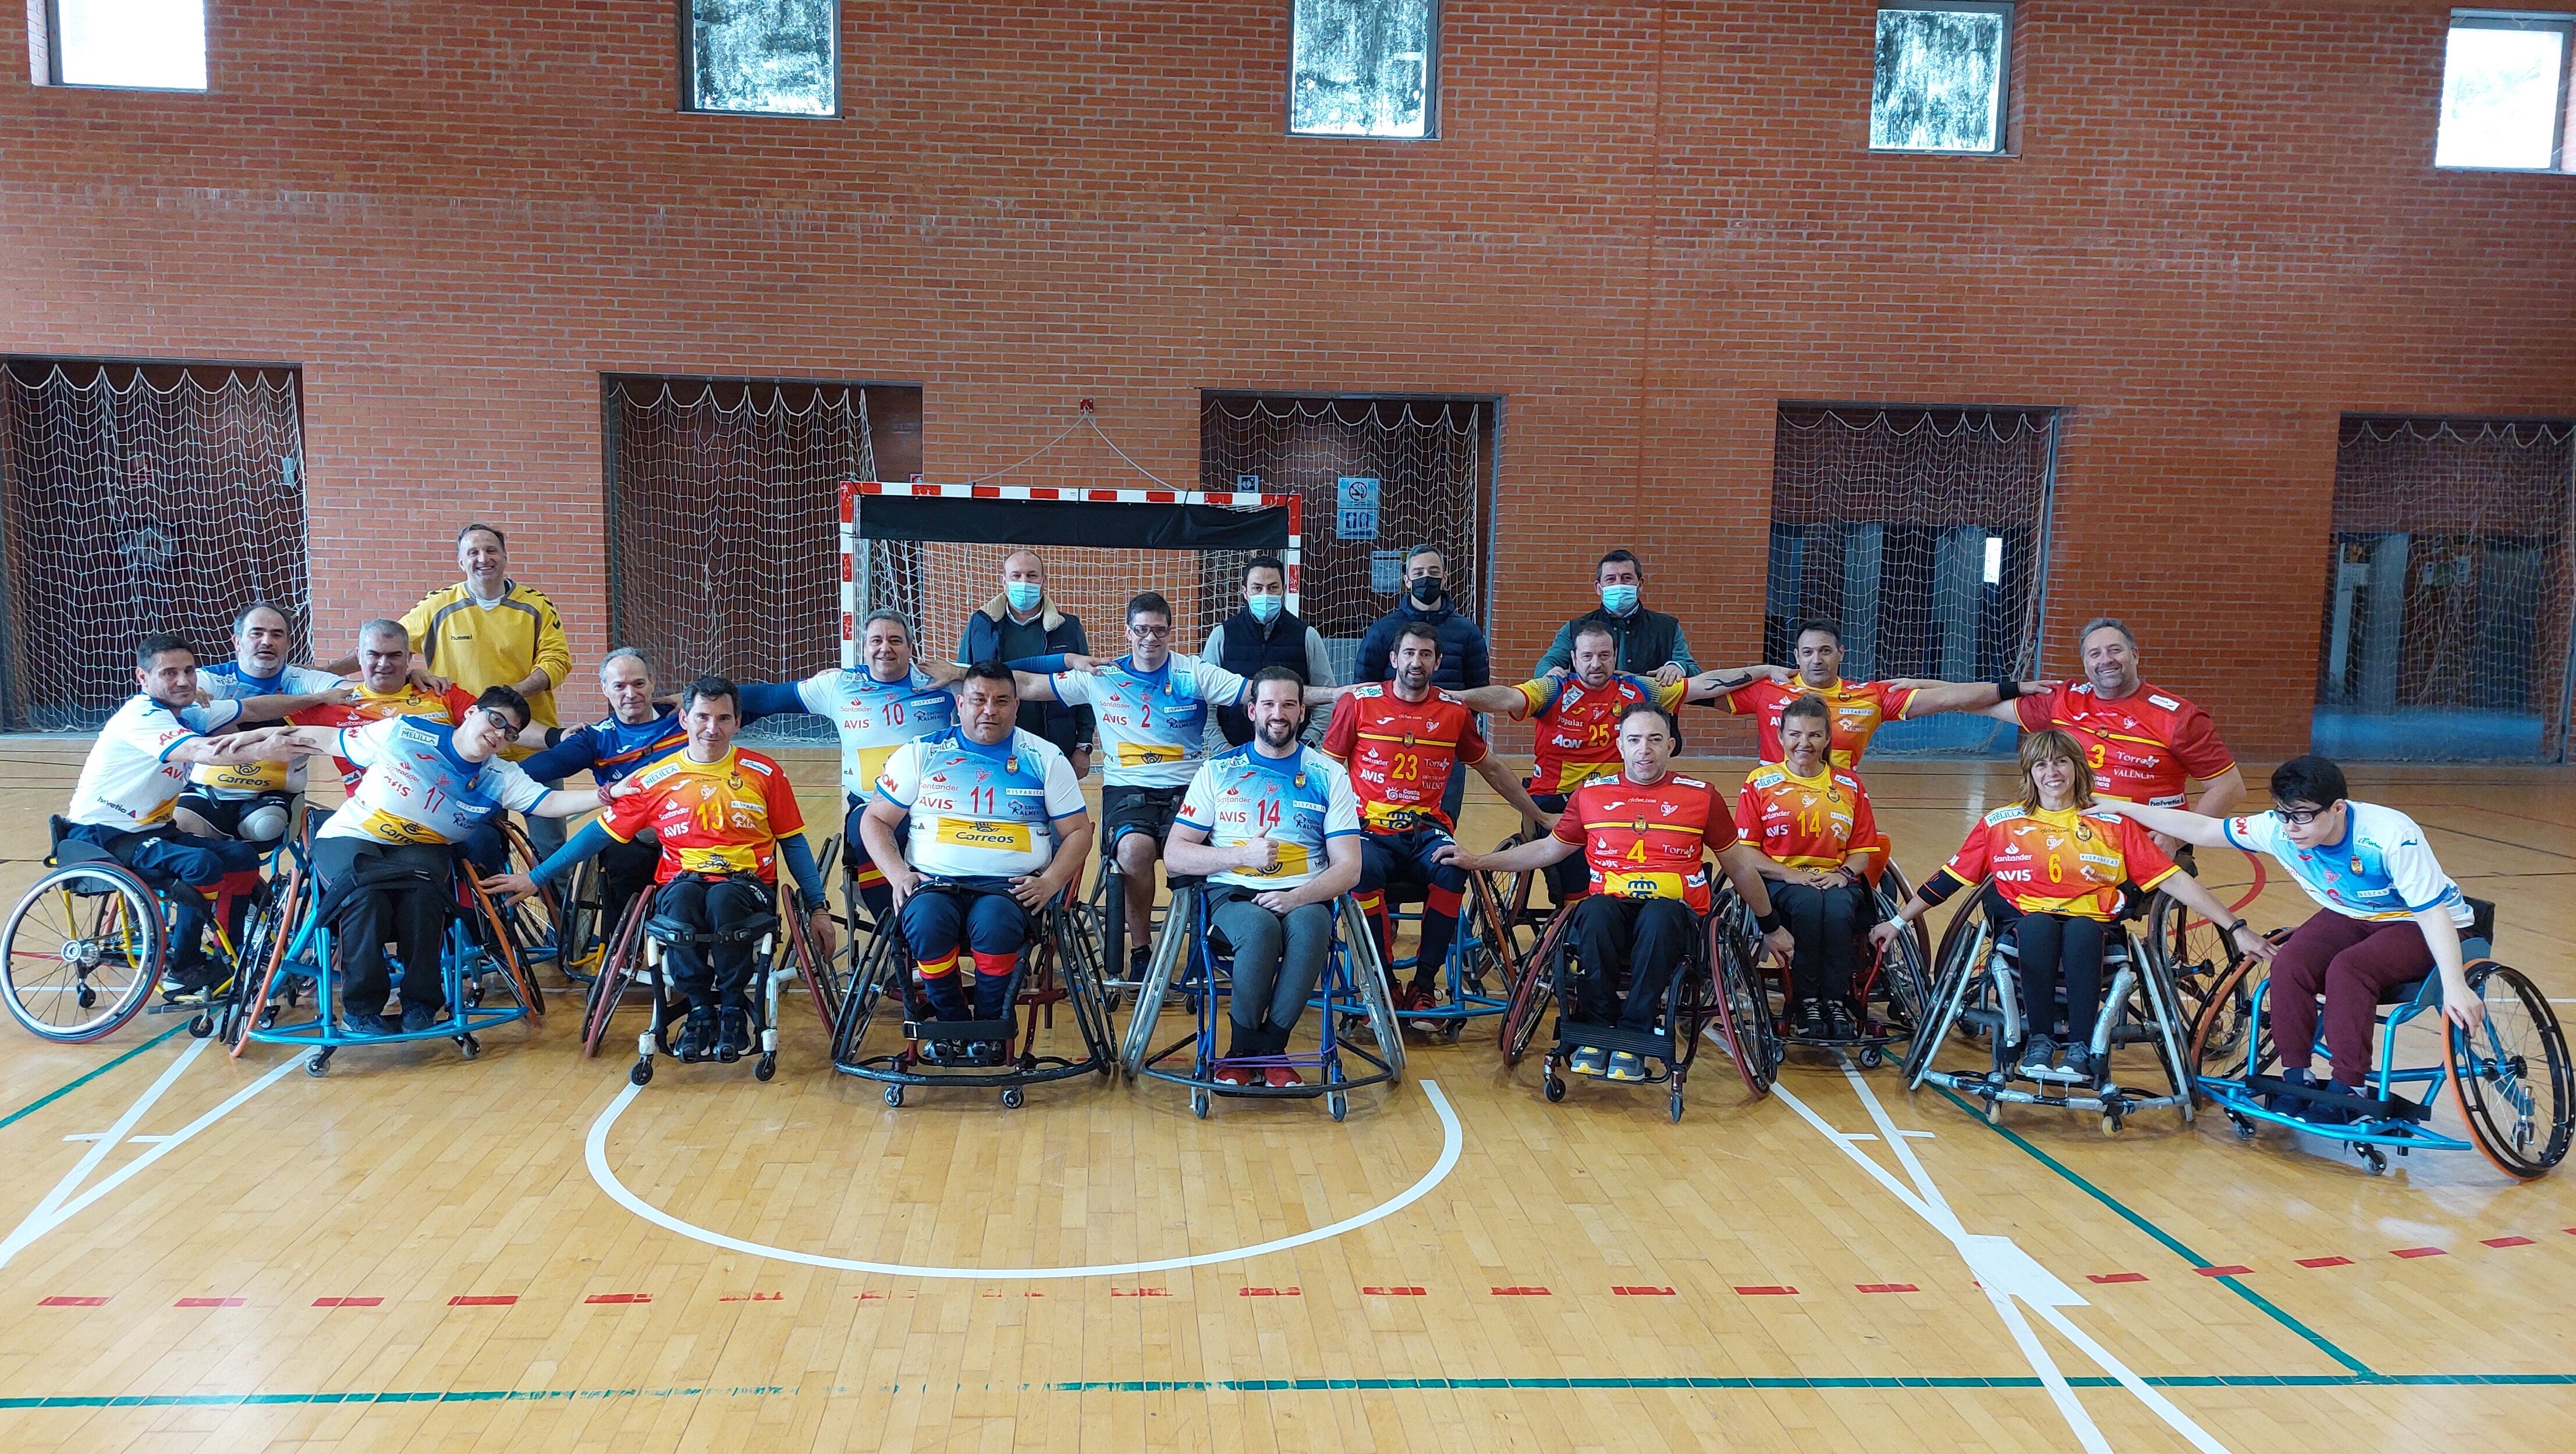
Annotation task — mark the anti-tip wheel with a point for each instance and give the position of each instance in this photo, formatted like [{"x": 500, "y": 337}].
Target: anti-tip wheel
[
  {"x": 201, "y": 1026},
  {"x": 1555, "y": 1089},
  {"x": 1199, "y": 1104},
  {"x": 317, "y": 1063},
  {"x": 894, "y": 1095},
  {"x": 1012, "y": 1098},
  {"x": 468, "y": 1046},
  {"x": 642, "y": 1074},
  {"x": 1337, "y": 1103},
  {"x": 1677, "y": 1107},
  {"x": 767, "y": 1069}
]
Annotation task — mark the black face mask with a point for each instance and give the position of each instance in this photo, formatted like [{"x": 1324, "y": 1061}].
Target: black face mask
[{"x": 1427, "y": 590}]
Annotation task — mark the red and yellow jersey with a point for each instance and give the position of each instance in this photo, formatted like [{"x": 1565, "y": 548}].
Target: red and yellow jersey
[
  {"x": 2143, "y": 748},
  {"x": 1401, "y": 753},
  {"x": 2062, "y": 860},
  {"x": 1648, "y": 840},
  {"x": 374, "y": 706},
  {"x": 1858, "y": 708},
  {"x": 715, "y": 817},
  {"x": 1809, "y": 822},
  {"x": 1578, "y": 726}
]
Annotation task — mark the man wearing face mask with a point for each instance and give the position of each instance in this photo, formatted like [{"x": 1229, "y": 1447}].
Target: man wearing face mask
[
  {"x": 1466, "y": 662},
  {"x": 1264, "y": 634},
  {"x": 1650, "y": 642},
  {"x": 1022, "y": 622}
]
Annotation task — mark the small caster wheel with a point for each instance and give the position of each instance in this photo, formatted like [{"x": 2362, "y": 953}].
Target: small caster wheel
[
  {"x": 2244, "y": 1126},
  {"x": 1199, "y": 1104},
  {"x": 1994, "y": 1113},
  {"x": 1450, "y": 1032},
  {"x": 2375, "y": 1161},
  {"x": 201, "y": 1026},
  {"x": 468, "y": 1046},
  {"x": 1555, "y": 1088},
  {"x": 2111, "y": 1123},
  {"x": 767, "y": 1069},
  {"x": 1013, "y": 1098},
  {"x": 268, "y": 1017},
  {"x": 88, "y": 997},
  {"x": 1677, "y": 1107},
  {"x": 894, "y": 1095},
  {"x": 1871, "y": 1058},
  {"x": 1337, "y": 1103},
  {"x": 642, "y": 1074},
  {"x": 317, "y": 1063}
]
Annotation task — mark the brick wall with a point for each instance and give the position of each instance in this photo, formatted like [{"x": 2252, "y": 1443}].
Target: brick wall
[{"x": 1643, "y": 227}]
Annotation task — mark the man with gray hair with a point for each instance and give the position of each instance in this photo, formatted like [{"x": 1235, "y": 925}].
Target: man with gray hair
[{"x": 1021, "y": 622}]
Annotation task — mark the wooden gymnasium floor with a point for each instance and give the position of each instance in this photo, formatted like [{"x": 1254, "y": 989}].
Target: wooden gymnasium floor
[{"x": 417, "y": 1254}]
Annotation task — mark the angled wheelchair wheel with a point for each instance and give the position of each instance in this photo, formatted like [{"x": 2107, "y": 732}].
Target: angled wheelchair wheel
[
  {"x": 1173, "y": 952},
  {"x": 1078, "y": 968},
  {"x": 2221, "y": 1017},
  {"x": 879, "y": 972},
  {"x": 502, "y": 938},
  {"x": 1533, "y": 993},
  {"x": 581, "y": 935},
  {"x": 533, "y": 928},
  {"x": 2198, "y": 958},
  {"x": 1962, "y": 954},
  {"x": 1368, "y": 978},
  {"x": 2511, "y": 1075},
  {"x": 1743, "y": 1010},
  {"x": 82, "y": 951},
  {"x": 616, "y": 966},
  {"x": 796, "y": 947},
  {"x": 267, "y": 978}
]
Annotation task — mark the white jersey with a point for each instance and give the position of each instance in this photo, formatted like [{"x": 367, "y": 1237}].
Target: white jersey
[
  {"x": 128, "y": 780},
  {"x": 417, "y": 790},
  {"x": 1153, "y": 725},
  {"x": 2381, "y": 870},
  {"x": 226, "y": 682},
  {"x": 874, "y": 718},
  {"x": 977, "y": 811},
  {"x": 1299, "y": 802}
]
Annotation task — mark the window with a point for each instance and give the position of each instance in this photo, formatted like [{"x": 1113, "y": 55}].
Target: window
[
  {"x": 765, "y": 57},
  {"x": 2504, "y": 91},
  {"x": 156, "y": 45},
  {"x": 1364, "y": 68},
  {"x": 1941, "y": 72}
]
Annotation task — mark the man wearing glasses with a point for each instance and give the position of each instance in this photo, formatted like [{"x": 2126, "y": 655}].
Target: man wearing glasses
[{"x": 1152, "y": 706}]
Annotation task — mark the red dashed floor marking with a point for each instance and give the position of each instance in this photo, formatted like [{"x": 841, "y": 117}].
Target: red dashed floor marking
[
  {"x": 71, "y": 1302},
  {"x": 2232, "y": 1269},
  {"x": 2506, "y": 1241},
  {"x": 484, "y": 1300},
  {"x": 1766, "y": 1290},
  {"x": 348, "y": 1302},
  {"x": 1393, "y": 1292},
  {"x": 2115, "y": 1277},
  {"x": 765, "y": 1297},
  {"x": 1270, "y": 1292},
  {"x": 2325, "y": 1262},
  {"x": 1886, "y": 1287},
  {"x": 1140, "y": 1292},
  {"x": 1522, "y": 1292},
  {"x": 2418, "y": 1252},
  {"x": 872, "y": 1297},
  {"x": 619, "y": 1297},
  {"x": 207, "y": 1302},
  {"x": 1627, "y": 1291}
]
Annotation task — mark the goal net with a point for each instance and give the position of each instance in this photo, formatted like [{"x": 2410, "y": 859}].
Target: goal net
[{"x": 141, "y": 498}]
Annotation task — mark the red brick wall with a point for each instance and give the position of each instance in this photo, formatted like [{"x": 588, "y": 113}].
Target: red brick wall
[{"x": 1642, "y": 226}]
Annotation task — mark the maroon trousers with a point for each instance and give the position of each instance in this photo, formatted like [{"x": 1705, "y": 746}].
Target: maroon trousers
[{"x": 2349, "y": 961}]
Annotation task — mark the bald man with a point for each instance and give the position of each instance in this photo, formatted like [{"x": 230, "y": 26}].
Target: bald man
[{"x": 1022, "y": 622}]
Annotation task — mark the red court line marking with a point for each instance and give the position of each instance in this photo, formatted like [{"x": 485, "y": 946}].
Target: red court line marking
[
  {"x": 348, "y": 1302},
  {"x": 1522, "y": 1292},
  {"x": 1628, "y": 1291},
  {"x": 754, "y": 1297},
  {"x": 2506, "y": 1241},
  {"x": 2232, "y": 1269},
  {"x": 484, "y": 1300},
  {"x": 1140, "y": 1292},
  {"x": 2325, "y": 1262},
  {"x": 1886, "y": 1287},
  {"x": 2115, "y": 1277},
  {"x": 207, "y": 1302},
  {"x": 1767, "y": 1291},
  {"x": 619, "y": 1297},
  {"x": 1393, "y": 1292},
  {"x": 1269, "y": 1292},
  {"x": 872, "y": 1297},
  {"x": 2419, "y": 1252},
  {"x": 71, "y": 1302}
]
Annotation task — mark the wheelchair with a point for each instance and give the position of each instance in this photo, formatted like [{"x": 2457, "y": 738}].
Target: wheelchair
[
  {"x": 1977, "y": 990},
  {"x": 479, "y": 952},
  {"x": 84, "y": 948},
  {"x": 1891, "y": 986},
  {"x": 1189, "y": 961},
  {"x": 1475, "y": 980},
  {"x": 634, "y": 961},
  {"x": 2197, "y": 957},
  {"x": 1714, "y": 986},
  {"x": 1060, "y": 965},
  {"x": 2510, "y": 1080}
]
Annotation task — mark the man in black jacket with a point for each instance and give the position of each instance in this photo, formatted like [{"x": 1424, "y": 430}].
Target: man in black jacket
[
  {"x": 1022, "y": 622},
  {"x": 1650, "y": 642},
  {"x": 1466, "y": 663},
  {"x": 1264, "y": 634}
]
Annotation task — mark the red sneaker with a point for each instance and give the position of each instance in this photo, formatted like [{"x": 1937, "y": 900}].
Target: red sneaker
[
  {"x": 1233, "y": 1075},
  {"x": 1281, "y": 1077}
]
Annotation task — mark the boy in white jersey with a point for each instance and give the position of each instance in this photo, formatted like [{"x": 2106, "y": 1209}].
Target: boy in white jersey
[
  {"x": 1153, "y": 710},
  {"x": 386, "y": 857},
  {"x": 997, "y": 831},
  {"x": 2387, "y": 915},
  {"x": 1275, "y": 827},
  {"x": 254, "y": 801}
]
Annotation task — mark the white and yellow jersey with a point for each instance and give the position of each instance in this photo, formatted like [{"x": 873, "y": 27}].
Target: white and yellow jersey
[
  {"x": 874, "y": 718},
  {"x": 977, "y": 811},
  {"x": 128, "y": 780},
  {"x": 1299, "y": 802},
  {"x": 227, "y": 682},
  {"x": 1153, "y": 725}
]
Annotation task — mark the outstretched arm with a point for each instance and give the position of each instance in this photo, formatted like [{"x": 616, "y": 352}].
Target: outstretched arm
[
  {"x": 1718, "y": 682},
  {"x": 1519, "y": 858},
  {"x": 1511, "y": 702},
  {"x": 2188, "y": 826},
  {"x": 512, "y": 887},
  {"x": 2201, "y": 901},
  {"x": 1491, "y": 769}
]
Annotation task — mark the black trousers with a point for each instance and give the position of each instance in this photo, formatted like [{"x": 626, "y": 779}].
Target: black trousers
[
  {"x": 2050, "y": 948},
  {"x": 1642, "y": 938},
  {"x": 1825, "y": 923},
  {"x": 387, "y": 891},
  {"x": 712, "y": 974}
]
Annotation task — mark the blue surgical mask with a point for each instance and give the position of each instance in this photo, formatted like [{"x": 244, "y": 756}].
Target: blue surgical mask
[
  {"x": 1265, "y": 609},
  {"x": 1023, "y": 595},
  {"x": 1618, "y": 600}
]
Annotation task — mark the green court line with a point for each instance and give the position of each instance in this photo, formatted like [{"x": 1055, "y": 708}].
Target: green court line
[
  {"x": 60, "y": 1091},
  {"x": 2172, "y": 1244},
  {"x": 1290, "y": 1385}
]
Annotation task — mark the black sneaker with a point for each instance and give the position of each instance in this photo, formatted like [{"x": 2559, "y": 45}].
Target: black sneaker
[
  {"x": 2079, "y": 1065},
  {"x": 191, "y": 978},
  {"x": 421, "y": 1017},
  {"x": 2037, "y": 1056},
  {"x": 1810, "y": 1021},
  {"x": 1839, "y": 1017},
  {"x": 2289, "y": 1105},
  {"x": 697, "y": 1033},
  {"x": 366, "y": 1023},
  {"x": 735, "y": 1039},
  {"x": 1140, "y": 957}
]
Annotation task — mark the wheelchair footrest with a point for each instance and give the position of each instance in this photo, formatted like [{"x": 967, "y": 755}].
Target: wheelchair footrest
[
  {"x": 2373, "y": 1107},
  {"x": 1652, "y": 1045},
  {"x": 1002, "y": 1029}
]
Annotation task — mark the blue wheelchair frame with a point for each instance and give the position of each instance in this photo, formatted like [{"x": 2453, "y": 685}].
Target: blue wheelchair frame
[
  {"x": 465, "y": 958},
  {"x": 1461, "y": 979},
  {"x": 1353, "y": 984}
]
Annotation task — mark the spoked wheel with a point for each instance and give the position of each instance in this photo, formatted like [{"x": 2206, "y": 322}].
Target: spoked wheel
[
  {"x": 2511, "y": 1075},
  {"x": 609, "y": 985},
  {"x": 1743, "y": 1010},
  {"x": 2224, "y": 1013},
  {"x": 1078, "y": 966},
  {"x": 1533, "y": 990},
  {"x": 82, "y": 952},
  {"x": 581, "y": 929},
  {"x": 2197, "y": 958},
  {"x": 529, "y": 930},
  {"x": 1962, "y": 947},
  {"x": 1368, "y": 975},
  {"x": 267, "y": 976},
  {"x": 1173, "y": 954},
  {"x": 505, "y": 939},
  {"x": 879, "y": 971},
  {"x": 797, "y": 949}
]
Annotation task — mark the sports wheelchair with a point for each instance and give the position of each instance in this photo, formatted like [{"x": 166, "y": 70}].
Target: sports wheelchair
[
  {"x": 634, "y": 961},
  {"x": 1060, "y": 965},
  {"x": 85, "y": 946},
  {"x": 1714, "y": 986},
  {"x": 1977, "y": 990},
  {"x": 1189, "y": 961},
  {"x": 2510, "y": 1079},
  {"x": 478, "y": 952},
  {"x": 2197, "y": 957},
  {"x": 1891, "y": 987},
  {"x": 1475, "y": 979}
]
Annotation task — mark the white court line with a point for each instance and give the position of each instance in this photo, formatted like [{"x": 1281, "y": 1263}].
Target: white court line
[
  {"x": 1452, "y": 1140},
  {"x": 60, "y": 1206},
  {"x": 2009, "y": 1276}
]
